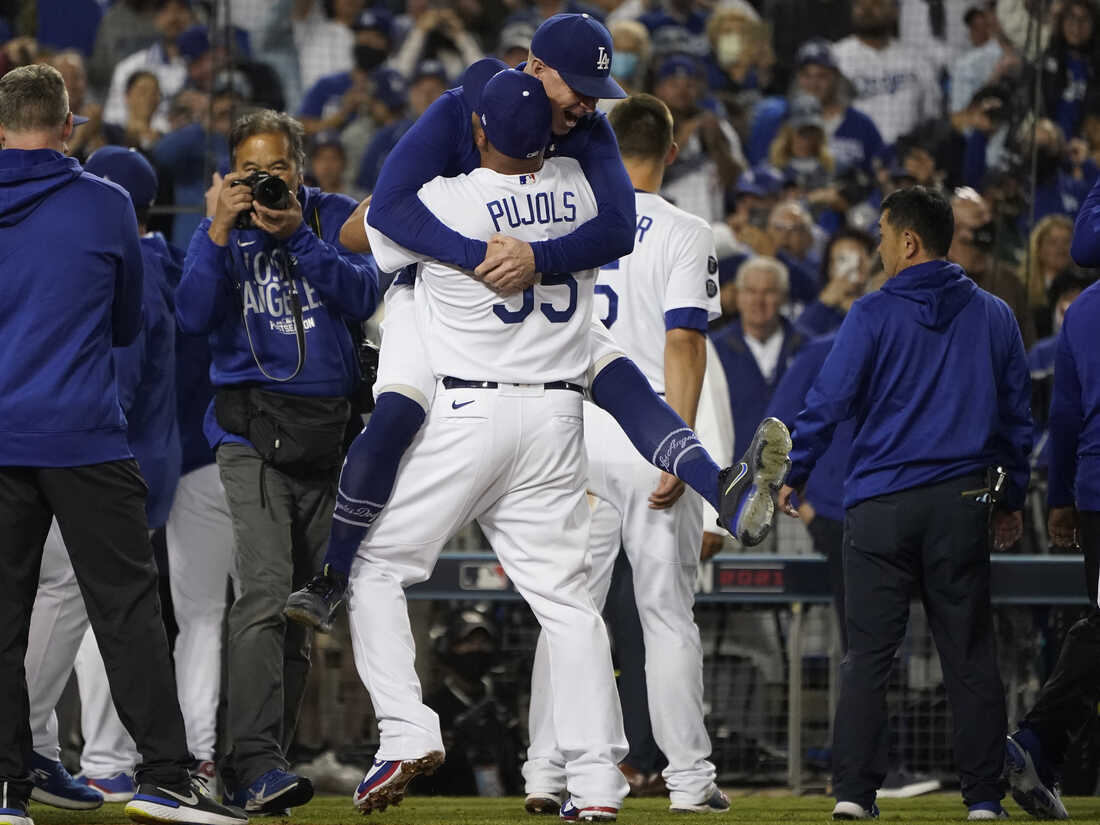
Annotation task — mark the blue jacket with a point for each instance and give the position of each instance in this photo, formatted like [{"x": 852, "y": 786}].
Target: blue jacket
[
  {"x": 1086, "y": 230},
  {"x": 71, "y": 290},
  {"x": 146, "y": 374},
  {"x": 334, "y": 285},
  {"x": 856, "y": 141},
  {"x": 934, "y": 371},
  {"x": 1075, "y": 408},
  {"x": 1040, "y": 361},
  {"x": 825, "y": 486},
  {"x": 750, "y": 394},
  {"x": 441, "y": 143},
  {"x": 818, "y": 319}
]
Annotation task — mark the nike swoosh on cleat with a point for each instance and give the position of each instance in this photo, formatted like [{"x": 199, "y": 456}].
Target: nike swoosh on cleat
[
  {"x": 740, "y": 475},
  {"x": 456, "y": 406},
  {"x": 190, "y": 799}
]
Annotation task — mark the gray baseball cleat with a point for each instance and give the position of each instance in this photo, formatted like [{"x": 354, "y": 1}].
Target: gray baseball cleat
[{"x": 748, "y": 490}]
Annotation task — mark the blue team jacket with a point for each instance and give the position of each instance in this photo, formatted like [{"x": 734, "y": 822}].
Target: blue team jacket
[
  {"x": 934, "y": 372},
  {"x": 1075, "y": 408},
  {"x": 71, "y": 290},
  {"x": 334, "y": 286},
  {"x": 441, "y": 143}
]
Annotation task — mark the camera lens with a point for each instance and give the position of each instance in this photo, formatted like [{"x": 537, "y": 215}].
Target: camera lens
[{"x": 272, "y": 192}]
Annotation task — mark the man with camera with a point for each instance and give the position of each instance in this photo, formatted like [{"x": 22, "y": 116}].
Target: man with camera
[{"x": 266, "y": 278}]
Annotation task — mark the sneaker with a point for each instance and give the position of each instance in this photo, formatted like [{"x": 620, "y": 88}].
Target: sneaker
[
  {"x": 13, "y": 807},
  {"x": 853, "y": 810},
  {"x": 272, "y": 793},
  {"x": 187, "y": 803},
  {"x": 588, "y": 813},
  {"x": 1032, "y": 781},
  {"x": 901, "y": 784},
  {"x": 118, "y": 787},
  {"x": 542, "y": 802},
  {"x": 315, "y": 604},
  {"x": 207, "y": 773},
  {"x": 716, "y": 802},
  {"x": 986, "y": 810},
  {"x": 748, "y": 491},
  {"x": 53, "y": 785},
  {"x": 386, "y": 781}
]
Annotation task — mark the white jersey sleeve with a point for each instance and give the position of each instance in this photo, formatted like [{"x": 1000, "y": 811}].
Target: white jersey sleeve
[{"x": 693, "y": 279}]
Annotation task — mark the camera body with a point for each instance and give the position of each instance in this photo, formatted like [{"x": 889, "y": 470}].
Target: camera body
[{"x": 269, "y": 190}]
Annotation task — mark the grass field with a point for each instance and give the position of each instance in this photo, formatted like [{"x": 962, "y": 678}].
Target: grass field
[{"x": 336, "y": 810}]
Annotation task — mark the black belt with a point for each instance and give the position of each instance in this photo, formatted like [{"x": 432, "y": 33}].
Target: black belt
[{"x": 452, "y": 383}]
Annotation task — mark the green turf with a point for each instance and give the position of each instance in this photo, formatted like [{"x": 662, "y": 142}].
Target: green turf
[{"x": 335, "y": 810}]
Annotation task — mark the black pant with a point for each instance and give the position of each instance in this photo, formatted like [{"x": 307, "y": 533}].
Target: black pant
[
  {"x": 1069, "y": 698},
  {"x": 828, "y": 538},
  {"x": 101, "y": 511},
  {"x": 935, "y": 541}
]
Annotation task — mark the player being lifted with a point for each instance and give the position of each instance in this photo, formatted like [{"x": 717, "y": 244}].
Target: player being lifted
[
  {"x": 571, "y": 56},
  {"x": 660, "y": 299}
]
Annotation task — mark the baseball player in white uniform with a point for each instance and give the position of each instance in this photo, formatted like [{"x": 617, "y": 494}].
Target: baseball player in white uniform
[
  {"x": 503, "y": 444},
  {"x": 657, "y": 301}
]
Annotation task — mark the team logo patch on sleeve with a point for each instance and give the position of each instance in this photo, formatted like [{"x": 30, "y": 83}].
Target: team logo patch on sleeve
[
  {"x": 712, "y": 288},
  {"x": 712, "y": 264}
]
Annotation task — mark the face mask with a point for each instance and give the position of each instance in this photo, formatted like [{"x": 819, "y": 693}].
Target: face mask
[
  {"x": 1047, "y": 163},
  {"x": 805, "y": 166},
  {"x": 729, "y": 49},
  {"x": 624, "y": 65},
  {"x": 369, "y": 58}
]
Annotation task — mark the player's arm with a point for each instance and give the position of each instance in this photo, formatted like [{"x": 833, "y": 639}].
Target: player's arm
[
  {"x": 127, "y": 315},
  {"x": 353, "y": 234},
  {"x": 420, "y": 155}
]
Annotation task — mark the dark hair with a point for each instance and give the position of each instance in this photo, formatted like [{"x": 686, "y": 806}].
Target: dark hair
[
  {"x": 924, "y": 211},
  {"x": 643, "y": 127},
  {"x": 268, "y": 121},
  {"x": 138, "y": 75},
  {"x": 33, "y": 98},
  {"x": 848, "y": 233}
]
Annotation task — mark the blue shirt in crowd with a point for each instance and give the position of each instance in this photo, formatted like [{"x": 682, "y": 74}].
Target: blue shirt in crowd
[
  {"x": 934, "y": 372},
  {"x": 855, "y": 142}
]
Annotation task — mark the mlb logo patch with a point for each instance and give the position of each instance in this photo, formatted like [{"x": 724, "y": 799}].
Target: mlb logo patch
[{"x": 527, "y": 178}]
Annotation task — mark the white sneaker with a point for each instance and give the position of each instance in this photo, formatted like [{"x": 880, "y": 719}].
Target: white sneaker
[
  {"x": 543, "y": 802},
  {"x": 716, "y": 802},
  {"x": 853, "y": 810}
]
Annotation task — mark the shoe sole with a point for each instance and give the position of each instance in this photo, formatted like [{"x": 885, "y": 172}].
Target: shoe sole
[
  {"x": 773, "y": 443},
  {"x": 295, "y": 796},
  {"x": 66, "y": 804},
  {"x": 302, "y": 614},
  {"x": 1027, "y": 788},
  {"x": 697, "y": 809},
  {"x": 13, "y": 819},
  {"x": 592, "y": 815},
  {"x": 143, "y": 810},
  {"x": 393, "y": 792},
  {"x": 542, "y": 805}
]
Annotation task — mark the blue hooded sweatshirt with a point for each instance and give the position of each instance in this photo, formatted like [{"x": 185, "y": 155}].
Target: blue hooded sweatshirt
[
  {"x": 333, "y": 285},
  {"x": 934, "y": 372},
  {"x": 145, "y": 372},
  {"x": 71, "y": 290},
  {"x": 1075, "y": 408}
]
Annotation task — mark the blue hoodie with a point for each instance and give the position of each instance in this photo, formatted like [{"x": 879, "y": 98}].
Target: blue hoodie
[
  {"x": 71, "y": 290},
  {"x": 333, "y": 285},
  {"x": 934, "y": 371},
  {"x": 145, "y": 373},
  {"x": 1086, "y": 230},
  {"x": 1075, "y": 408}
]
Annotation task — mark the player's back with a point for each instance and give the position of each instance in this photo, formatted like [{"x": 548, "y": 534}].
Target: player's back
[{"x": 667, "y": 282}]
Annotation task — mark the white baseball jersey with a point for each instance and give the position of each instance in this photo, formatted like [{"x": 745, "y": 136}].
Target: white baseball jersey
[
  {"x": 469, "y": 331},
  {"x": 668, "y": 281}
]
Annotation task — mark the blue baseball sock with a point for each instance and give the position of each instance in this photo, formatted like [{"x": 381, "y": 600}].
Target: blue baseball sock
[
  {"x": 366, "y": 479},
  {"x": 654, "y": 428}
]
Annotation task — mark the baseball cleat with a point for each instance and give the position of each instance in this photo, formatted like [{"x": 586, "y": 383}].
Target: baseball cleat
[
  {"x": 748, "y": 490},
  {"x": 1040, "y": 799},
  {"x": 54, "y": 786},
  {"x": 853, "y": 810},
  {"x": 542, "y": 802},
  {"x": 187, "y": 803},
  {"x": 588, "y": 813},
  {"x": 118, "y": 787},
  {"x": 315, "y": 604},
  {"x": 986, "y": 810},
  {"x": 716, "y": 802},
  {"x": 386, "y": 781},
  {"x": 272, "y": 793}
]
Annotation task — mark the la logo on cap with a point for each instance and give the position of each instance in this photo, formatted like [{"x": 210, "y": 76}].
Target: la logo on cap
[{"x": 602, "y": 61}]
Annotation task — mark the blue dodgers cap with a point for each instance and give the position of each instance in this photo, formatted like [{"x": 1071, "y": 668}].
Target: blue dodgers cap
[
  {"x": 679, "y": 64},
  {"x": 475, "y": 77},
  {"x": 578, "y": 47},
  {"x": 129, "y": 169},
  {"x": 514, "y": 111},
  {"x": 815, "y": 51},
  {"x": 390, "y": 87}
]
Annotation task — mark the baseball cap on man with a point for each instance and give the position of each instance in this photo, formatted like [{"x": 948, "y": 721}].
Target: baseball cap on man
[
  {"x": 514, "y": 111},
  {"x": 578, "y": 47},
  {"x": 815, "y": 51},
  {"x": 129, "y": 169}
]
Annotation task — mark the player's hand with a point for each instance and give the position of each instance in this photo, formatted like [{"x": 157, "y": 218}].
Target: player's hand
[
  {"x": 1008, "y": 528},
  {"x": 712, "y": 546},
  {"x": 212, "y": 193},
  {"x": 785, "y": 494},
  {"x": 669, "y": 489},
  {"x": 282, "y": 223},
  {"x": 806, "y": 511},
  {"x": 230, "y": 201},
  {"x": 509, "y": 266},
  {"x": 1062, "y": 526}
]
